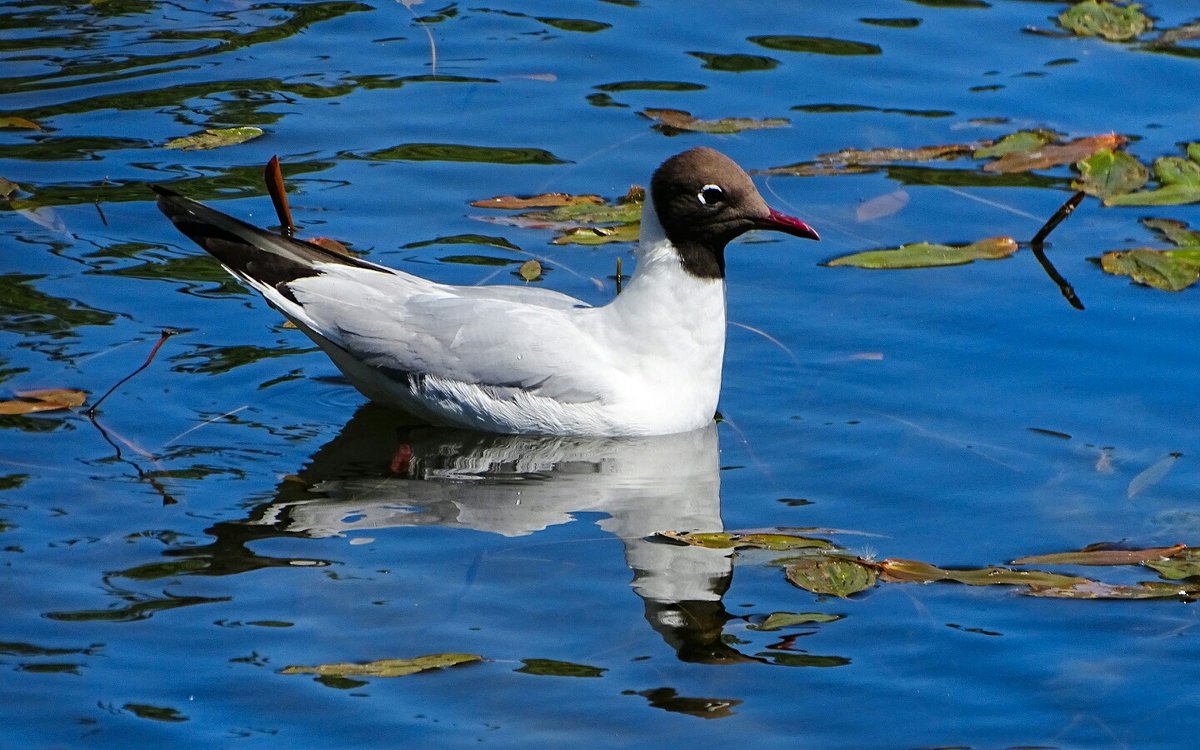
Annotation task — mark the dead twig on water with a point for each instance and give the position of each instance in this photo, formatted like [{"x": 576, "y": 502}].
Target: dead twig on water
[
  {"x": 166, "y": 334},
  {"x": 1037, "y": 245}
]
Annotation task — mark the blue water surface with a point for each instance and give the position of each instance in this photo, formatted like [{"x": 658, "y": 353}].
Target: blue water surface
[{"x": 237, "y": 509}]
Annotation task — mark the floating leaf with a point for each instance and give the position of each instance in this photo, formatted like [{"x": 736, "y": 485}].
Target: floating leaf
[
  {"x": 1169, "y": 270},
  {"x": 1021, "y": 142},
  {"x": 781, "y": 620},
  {"x": 154, "y": 713},
  {"x": 554, "y": 668},
  {"x": 598, "y": 235},
  {"x": 816, "y": 45},
  {"x": 7, "y": 188},
  {"x": 215, "y": 138},
  {"x": 1175, "y": 231},
  {"x": 18, "y": 123},
  {"x": 1107, "y": 173},
  {"x": 927, "y": 255},
  {"x": 47, "y": 399},
  {"x": 385, "y": 667},
  {"x": 831, "y": 575},
  {"x": 464, "y": 239},
  {"x": 545, "y": 200},
  {"x": 530, "y": 270},
  {"x": 735, "y": 63},
  {"x": 1155, "y": 472},
  {"x": 734, "y": 540},
  {"x": 674, "y": 121},
  {"x": 1092, "y": 556},
  {"x": 1180, "y": 180},
  {"x": 1097, "y": 590},
  {"x": 1185, "y": 565},
  {"x": 1052, "y": 155},
  {"x": 1116, "y": 23},
  {"x": 920, "y": 572}
]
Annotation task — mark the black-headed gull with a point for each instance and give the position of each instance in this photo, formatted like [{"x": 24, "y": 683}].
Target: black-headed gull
[{"x": 517, "y": 359}]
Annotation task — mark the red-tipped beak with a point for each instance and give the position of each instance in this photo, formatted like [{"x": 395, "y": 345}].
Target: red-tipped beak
[{"x": 789, "y": 224}]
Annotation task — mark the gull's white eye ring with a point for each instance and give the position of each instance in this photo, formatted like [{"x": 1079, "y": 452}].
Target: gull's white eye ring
[{"x": 710, "y": 195}]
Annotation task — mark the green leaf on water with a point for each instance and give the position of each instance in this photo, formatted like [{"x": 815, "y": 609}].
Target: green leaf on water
[
  {"x": 1169, "y": 270},
  {"x": 1176, "y": 232},
  {"x": 530, "y": 270},
  {"x": 545, "y": 200},
  {"x": 928, "y": 255},
  {"x": 1184, "y": 565},
  {"x": 154, "y": 713},
  {"x": 554, "y": 668},
  {"x": 1097, "y": 590},
  {"x": 1022, "y": 141},
  {"x": 1102, "y": 556},
  {"x": 1179, "y": 179},
  {"x": 384, "y": 667},
  {"x": 1116, "y": 23},
  {"x": 596, "y": 235},
  {"x": 919, "y": 572},
  {"x": 675, "y": 121},
  {"x": 753, "y": 540},
  {"x": 781, "y": 620},
  {"x": 831, "y": 575},
  {"x": 1107, "y": 173},
  {"x": 214, "y": 138},
  {"x": 816, "y": 45},
  {"x": 735, "y": 63}
]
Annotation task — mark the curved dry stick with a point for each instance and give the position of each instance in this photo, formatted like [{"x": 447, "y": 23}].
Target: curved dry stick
[{"x": 1037, "y": 245}]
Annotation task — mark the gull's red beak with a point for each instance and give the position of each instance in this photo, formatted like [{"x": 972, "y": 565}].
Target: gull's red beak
[{"x": 780, "y": 222}]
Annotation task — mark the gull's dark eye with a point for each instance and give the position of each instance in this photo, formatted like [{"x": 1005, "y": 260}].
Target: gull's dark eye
[{"x": 710, "y": 195}]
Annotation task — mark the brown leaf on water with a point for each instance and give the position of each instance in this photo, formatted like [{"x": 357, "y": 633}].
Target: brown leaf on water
[
  {"x": 545, "y": 200},
  {"x": 674, "y": 121},
  {"x": 45, "y": 399},
  {"x": 914, "y": 571},
  {"x": 7, "y": 188},
  {"x": 1088, "y": 589},
  {"x": 1054, "y": 154},
  {"x": 384, "y": 667},
  {"x": 333, "y": 246},
  {"x": 18, "y": 123},
  {"x": 1094, "y": 556}
]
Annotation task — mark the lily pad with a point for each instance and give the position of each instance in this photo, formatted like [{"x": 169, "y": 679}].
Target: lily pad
[
  {"x": 598, "y": 235},
  {"x": 675, "y": 121},
  {"x": 215, "y": 138},
  {"x": 1099, "y": 556},
  {"x": 1169, "y": 270},
  {"x": 1107, "y": 174},
  {"x": 831, "y": 575},
  {"x": 1054, "y": 154},
  {"x": 1022, "y": 141},
  {"x": 1098, "y": 590},
  {"x": 1116, "y": 23},
  {"x": 928, "y": 255},
  {"x": 46, "y": 399},
  {"x": 734, "y": 540},
  {"x": 735, "y": 63},
  {"x": 385, "y": 667}
]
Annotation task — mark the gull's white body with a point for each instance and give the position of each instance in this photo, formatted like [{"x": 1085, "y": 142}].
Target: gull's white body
[{"x": 512, "y": 359}]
